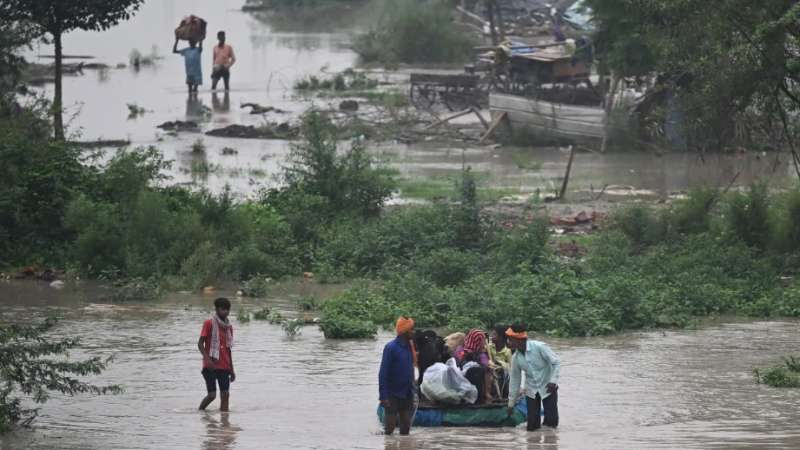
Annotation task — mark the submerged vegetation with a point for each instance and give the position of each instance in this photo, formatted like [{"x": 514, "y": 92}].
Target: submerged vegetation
[{"x": 786, "y": 375}]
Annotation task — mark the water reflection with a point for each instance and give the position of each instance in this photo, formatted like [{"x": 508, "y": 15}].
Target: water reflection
[
  {"x": 195, "y": 109},
  {"x": 220, "y": 434},
  {"x": 543, "y": 440},
  {"x": 222, "y": 106}
]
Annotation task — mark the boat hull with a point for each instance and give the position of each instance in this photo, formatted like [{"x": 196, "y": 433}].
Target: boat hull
[{"x": 556, "y": 120}]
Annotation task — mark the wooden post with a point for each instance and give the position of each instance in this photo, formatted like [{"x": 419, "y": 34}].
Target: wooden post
[
  {"x": 609, "y": 107},
  {"x": 492, "y": 29},
  {"x": 569, "y": 170},
  {"x": 500, "y": 28}
]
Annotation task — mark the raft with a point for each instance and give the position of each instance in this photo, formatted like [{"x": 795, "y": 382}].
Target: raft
[{"x": 493, "y": 415}]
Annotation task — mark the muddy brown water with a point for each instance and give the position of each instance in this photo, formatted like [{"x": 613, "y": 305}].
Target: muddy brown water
[
  {"x": 272, "y": 55},
  {"x": 690, "y": 389},
  {"x": 674, "y": 389}
]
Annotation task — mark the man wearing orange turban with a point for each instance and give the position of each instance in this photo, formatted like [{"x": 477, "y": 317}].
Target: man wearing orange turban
[
  {"x": 541, "y": 367},
  {"x": 396, "y": 378}
]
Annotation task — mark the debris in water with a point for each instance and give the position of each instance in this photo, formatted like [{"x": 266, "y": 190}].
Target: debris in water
[
  {"x": 258, "y": 109},
  {"x": 229, "y": 151},
  {"x": 179, "y": 125},
  {"x": 58, "y": 284},
  {"x": 281, "y": 131},
  {"x": 348, "y": 105}
]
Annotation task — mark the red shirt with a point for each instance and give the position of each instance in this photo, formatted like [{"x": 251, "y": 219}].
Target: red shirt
[{"x": 224, "y": 362}]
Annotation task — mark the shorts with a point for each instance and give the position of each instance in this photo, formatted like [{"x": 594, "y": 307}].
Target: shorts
[
  {"x": 399, "y": 404},
  {"x": 220, "y": 72},
  {"x": 214, "y": 376}
]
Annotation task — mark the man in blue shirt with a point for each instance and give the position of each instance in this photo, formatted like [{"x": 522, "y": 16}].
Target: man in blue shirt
[
  {"x": 396, "y": 378},
  {"x": 191, "y": 56},
  {"x": 541, "y": 367}
]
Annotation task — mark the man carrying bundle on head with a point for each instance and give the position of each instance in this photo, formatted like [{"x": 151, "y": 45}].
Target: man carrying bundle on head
[
  {"x": 541, "y": 367},
  {"x": 396, "y": 378}
]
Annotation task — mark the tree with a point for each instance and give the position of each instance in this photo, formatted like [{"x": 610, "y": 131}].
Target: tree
[
  {"x": 734, "y": 65},
  {"x": 28, "y": 366},
  {"x": 56, "y": 17}
]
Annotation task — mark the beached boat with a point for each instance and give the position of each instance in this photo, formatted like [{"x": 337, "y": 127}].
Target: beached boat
[
  {"x": 490, "y": 415},
  {"x": 555, "y": 120}
]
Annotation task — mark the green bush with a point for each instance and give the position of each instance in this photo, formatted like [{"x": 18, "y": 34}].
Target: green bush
[
  {"x": 783, "y": 376},
  {"x": 415, "y": 31},
  {"x": 748, "y": 216},
  {"x": 363, "y": 248},
  {"x": 641, "y": 224},
  {"x": 522, "y": 247},
  {"x": 693, "y": 215},
  {"x": 355, "y": 314},
  {"x": 448, "y": 266},
  {"x": 38, "y": 179},
  {"x": 787, "y": 233}
]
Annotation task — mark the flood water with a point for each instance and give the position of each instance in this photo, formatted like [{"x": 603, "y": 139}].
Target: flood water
[
  {"x": 271, "y": 55},
  {"x": 690, "y": 389}
]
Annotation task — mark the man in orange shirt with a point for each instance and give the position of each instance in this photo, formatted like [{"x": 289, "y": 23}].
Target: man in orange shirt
[
  {"x": 224, "y": 58},
  {"x": 216, "y": 340}
]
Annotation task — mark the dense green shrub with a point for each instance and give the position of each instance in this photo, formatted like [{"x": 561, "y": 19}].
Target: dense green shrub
[
  {"x": 693, "y": 215},
  {"x": 749, "y": 216},
  {"x": 522, "y": 247},
  {"x": 642, "y": 224},
  {"x": 415, "y": 31},
  {"x": 786, "y": 375},
  {"x": 38, "y": 178},
  {"x": 448, "y": 266},
  {"x": 354, "y": 314}
]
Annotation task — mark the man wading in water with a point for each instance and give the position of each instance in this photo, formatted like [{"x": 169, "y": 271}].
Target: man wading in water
[
  {"x": 396, "y": 378},
  {"x": 216, "y": 340},
  {"x": 224, "y": 58},
  {"x": 191, "y": 57},
  {"x": 541, "y": 367}
]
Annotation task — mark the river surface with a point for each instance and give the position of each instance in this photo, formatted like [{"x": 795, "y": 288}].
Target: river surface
[
  {"x": 690, "y": 389},
  {"x": 272, "y": 54}
]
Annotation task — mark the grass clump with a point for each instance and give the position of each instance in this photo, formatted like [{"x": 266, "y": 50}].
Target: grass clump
[
  {"x": 243, "y": 315},
  {"x": 348, "y": 80},
  {"x": 415, "y": 31},
  {"x": 262, "y": 314},
  {"x": 786, "y": 375},
  {"x": 292, "y": 327}
]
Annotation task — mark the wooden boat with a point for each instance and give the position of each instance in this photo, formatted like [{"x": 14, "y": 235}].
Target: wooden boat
[
  {"x": 561, "y": 121},
  {"x": 488, "y": 415}
]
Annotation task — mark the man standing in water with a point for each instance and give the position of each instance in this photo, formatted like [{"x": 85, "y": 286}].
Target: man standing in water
[
  {"x": 224, "y": 58},
  {"x": 215, "y": 343},
  {"x": 396, "y": 378},
  {"x": 191, "y": 58},
  {"x": 541, "y": 367}
]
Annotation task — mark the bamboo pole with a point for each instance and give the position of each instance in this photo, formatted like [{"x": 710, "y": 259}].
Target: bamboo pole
[{"x": 569, "y": 170}]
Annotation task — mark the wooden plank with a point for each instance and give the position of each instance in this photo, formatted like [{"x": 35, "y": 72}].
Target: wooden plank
[
  {"x": 449, "y": 118},
  {"x": 502, "y": 117},
  {"x": 480, "y": 117}
]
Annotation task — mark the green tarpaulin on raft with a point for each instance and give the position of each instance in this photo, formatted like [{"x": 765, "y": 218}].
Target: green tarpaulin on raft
[{"x": 495, "y": 416}]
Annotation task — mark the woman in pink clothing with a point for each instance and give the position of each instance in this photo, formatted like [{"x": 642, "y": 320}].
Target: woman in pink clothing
[{"x": 224, "y": 58}]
